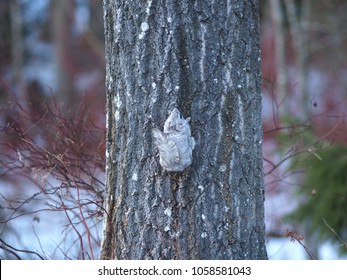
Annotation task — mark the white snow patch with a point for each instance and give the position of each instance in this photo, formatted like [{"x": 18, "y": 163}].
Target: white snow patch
[
  {"x": 166, "y": 229},
  {"x": 134, "y": 177},
  {"x": 167, "y": 212},
  {"x": 149, "y": 6},
  {"x": 117, "y": 101},
  {"x": 223, "y": 168},
  {"x": 144, "y": 26}
]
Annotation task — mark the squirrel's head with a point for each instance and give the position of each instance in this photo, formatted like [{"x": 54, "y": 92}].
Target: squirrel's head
[{"x": 175, "y": 123}]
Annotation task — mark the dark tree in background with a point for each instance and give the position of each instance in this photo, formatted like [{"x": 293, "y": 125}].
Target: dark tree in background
[{"x": 202, "y": 57}]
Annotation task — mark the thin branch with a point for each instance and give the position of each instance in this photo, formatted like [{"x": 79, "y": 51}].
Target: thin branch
[
  {"x": 344, "y": 243},
  {"x": 19, "y": 250}
]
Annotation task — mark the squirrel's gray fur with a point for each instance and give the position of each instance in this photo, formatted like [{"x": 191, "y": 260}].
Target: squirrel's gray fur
[{"x": 175, "y": 144}]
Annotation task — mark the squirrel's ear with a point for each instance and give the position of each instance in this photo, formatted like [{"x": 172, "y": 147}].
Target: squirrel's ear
[{"x": 188, "y": 119}]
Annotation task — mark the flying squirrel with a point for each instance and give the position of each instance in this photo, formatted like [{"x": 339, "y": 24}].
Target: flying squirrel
[{"x": 175, "y": 144}]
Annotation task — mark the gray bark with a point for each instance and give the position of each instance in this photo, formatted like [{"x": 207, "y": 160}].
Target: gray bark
[{"x": 202, "y": 57}]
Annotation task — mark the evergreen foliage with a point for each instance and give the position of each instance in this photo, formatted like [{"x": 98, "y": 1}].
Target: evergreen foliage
[{"x": 324, "y": 189}]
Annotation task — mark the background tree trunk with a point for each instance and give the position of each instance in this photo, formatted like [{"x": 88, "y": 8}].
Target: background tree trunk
[
  {"x": 281, "y": 86},
  {"x": 202, "y": 57},
  {"x": 63, "y": 11}
]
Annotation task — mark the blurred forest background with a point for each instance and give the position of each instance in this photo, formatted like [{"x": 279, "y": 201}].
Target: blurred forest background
[{"x": 52, "y": 128}]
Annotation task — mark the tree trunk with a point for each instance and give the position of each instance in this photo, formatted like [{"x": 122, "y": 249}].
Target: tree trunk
[
  {"x": 298, "y": 25},
  {"x": 281, "y": 85},
  {"x": 62, "y": 11},
  {"x": 202, "y": 57}
]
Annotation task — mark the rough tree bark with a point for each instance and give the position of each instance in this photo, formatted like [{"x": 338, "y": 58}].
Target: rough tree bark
[{"x": 202, "y": 57}]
